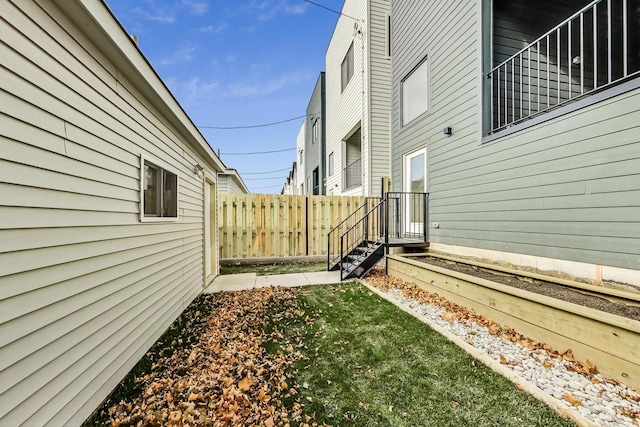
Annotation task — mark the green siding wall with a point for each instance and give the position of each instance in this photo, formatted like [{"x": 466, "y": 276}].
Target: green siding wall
[{"x": 567, "y": 188}]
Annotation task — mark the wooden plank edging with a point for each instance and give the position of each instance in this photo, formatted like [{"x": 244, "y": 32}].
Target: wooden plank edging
[
  {"x": 610, "y": 341},
  {"x": 494, "y": 365}
]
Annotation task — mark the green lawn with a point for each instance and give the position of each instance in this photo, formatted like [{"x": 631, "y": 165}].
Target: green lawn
[
  {"x": 369, "y": 364},
  {"x": 330, "y": 354},
  {"x": 275, "y": 268}
]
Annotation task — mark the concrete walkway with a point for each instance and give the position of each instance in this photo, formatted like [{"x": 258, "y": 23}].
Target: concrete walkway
[{"x": 239, "y": 282}]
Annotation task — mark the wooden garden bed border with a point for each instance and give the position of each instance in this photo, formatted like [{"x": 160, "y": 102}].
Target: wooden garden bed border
[{"x": 611, "y": 342}]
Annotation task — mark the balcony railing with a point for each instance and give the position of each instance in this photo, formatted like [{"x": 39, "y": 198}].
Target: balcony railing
[
  {"x": 352, "y": 175},
  {"x": 586, "y": 52}
]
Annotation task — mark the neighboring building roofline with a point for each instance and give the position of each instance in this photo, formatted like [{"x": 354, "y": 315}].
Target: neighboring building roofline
[{"x": 234, "y": 175}]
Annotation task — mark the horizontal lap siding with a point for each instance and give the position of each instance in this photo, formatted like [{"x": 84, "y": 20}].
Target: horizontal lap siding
[
  {"x": 446, "y": 33},
  {"x": 379, "y": 95},
  {"x": 345, "y": 108},
  {"x": 568, "y": 188},
  {"x": 85, "y": 288}
]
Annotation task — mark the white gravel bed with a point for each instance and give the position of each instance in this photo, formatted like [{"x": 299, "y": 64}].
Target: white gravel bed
[{"x": 603, "y": 403}]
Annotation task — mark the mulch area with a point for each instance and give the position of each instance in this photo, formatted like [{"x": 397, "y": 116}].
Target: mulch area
[{"x": 549, "y": 289}]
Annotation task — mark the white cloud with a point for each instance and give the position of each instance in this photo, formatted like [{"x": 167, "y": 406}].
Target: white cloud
[
  {"x": 268, "y": 9},
  {"x": 195, "y": 90},
  {"x": 166, "y": 12},
  {"x": 213, "y": 29},
  {"x": 196, "y": 7},
  {"x": 184, "y": 54},
  {"x": 164, "y": 16},
  {"x": 261, "y": 88}
]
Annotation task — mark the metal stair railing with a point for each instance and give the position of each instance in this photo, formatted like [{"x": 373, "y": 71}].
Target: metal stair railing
[
  {"x": 370, "y": 229},
  {"x": 333, "y": 238}
]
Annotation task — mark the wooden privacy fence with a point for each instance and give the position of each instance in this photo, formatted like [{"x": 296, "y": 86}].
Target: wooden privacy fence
[{"x": 269, "y": 225}]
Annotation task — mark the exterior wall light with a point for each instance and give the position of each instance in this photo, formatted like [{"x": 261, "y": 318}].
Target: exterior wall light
[{"x": 448, "y": 131}]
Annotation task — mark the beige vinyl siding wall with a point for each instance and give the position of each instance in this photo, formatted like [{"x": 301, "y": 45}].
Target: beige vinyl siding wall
[
  {"x": 228, "y": 184},
  {"x": 568, "y": 188},
  {"x": 85, "y": 288},
  {"x": 379, "y": 95},
  {"x": 345, "y": 110}
]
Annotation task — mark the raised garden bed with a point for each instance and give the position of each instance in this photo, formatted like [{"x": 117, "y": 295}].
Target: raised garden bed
[{"x": 609, "y": 340}]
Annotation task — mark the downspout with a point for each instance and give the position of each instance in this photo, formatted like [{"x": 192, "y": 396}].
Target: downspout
[{"x": 364, "y": 176}]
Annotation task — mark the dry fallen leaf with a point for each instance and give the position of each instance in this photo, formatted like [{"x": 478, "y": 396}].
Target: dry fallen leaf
[
  {"x": 244, "y": 384},
  {"x": 572, "y": 399}
]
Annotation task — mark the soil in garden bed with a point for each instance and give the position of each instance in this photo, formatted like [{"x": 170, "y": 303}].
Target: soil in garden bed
[{"x": 550, "y": 289}]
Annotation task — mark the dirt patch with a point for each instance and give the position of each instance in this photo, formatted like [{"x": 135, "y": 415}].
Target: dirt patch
[{"x": 541, "y": 287}]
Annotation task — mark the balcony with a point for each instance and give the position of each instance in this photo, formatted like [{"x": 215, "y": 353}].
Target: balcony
[
  {"x": 593, "y": 49},
  {"x": 352, "y": 175}
]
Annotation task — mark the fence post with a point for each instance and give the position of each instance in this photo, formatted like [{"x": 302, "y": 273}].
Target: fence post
[{"x": 306, "y": 231}]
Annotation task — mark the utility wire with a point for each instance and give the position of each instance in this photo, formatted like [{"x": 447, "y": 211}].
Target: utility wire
[
  {"x": 254, "y": 126},
  {"x": 266, "y": 172},
  {"x": 271, "y": 186},
  {"x": 331, "y": 10},
  {"x": 263, "y": 179},
  {"x": 257, "y": 152}
]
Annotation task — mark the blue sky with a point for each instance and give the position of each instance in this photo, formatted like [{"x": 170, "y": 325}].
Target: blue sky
[{"x": 238, "y": 63}]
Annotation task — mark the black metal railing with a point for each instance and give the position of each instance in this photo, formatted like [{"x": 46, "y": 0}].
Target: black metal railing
[
  {"x": 368, "y": 230},
  {"x": 588, "y": 51},
  {"x": 352, "y": 175},
  {"x": 407, "y": 215},
  {"x": 333, "y": 240},
  {"x": 398, "y": 218}
]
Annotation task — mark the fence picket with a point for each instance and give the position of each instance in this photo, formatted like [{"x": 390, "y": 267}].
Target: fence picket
[{"x": 261, "y": 225}]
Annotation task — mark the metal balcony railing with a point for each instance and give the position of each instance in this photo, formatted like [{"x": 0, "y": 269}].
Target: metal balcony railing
[
  {"x": 586, "y": 52},
  {"x": 352, "y": 175}
]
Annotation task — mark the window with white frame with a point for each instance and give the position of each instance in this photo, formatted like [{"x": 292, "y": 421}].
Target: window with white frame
[
  {"x": 331, "y": 164},
  {"x": 314, "y": 131},
  {"x": 346, "y": 69},
  {"x": 159, "y": 188},
  {"x": 414, "y": 93},
  {"x": 301, "y": 157}
]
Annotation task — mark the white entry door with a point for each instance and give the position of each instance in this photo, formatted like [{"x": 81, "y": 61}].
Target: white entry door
[{"x": 415, "y": 182}]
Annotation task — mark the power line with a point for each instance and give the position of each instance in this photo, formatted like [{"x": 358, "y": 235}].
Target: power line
[
  {"x": 270, "y": 186},
  {"x": 262, "y": 179},
  {"x": 254, "y": 126},
  {"x": 260, "y": 173},
  {"x": 258, "y": 152},
  {"x": 331, "y": 10}
]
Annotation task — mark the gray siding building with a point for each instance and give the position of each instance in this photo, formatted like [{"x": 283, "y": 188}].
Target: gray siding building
[
  {"x": 526, "y": 136},
  {"x": 315, "y": 141}
]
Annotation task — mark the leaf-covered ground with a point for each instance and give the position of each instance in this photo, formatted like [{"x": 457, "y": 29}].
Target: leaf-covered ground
[
  {"x": 220, "y": 372},
  {"x": 321, "y": 355}
]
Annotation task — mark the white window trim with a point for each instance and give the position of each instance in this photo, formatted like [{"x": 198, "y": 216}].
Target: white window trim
[
  {"x": 424, "y": 61},
  {"x": 407, "y": 186},
  {"x": 165, "y": 166},
  {"x": 343, "y": 84},
  {"x": 407, "y": 178},
  {"x": 331, "y": 165}
]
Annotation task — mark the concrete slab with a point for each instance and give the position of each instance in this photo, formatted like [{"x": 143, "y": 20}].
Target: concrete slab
[
  {"x": 323, "y": 277},
  {"x": 232, "y": 282},
  {"x": 285, "y": 280},
  {"x": 239, "y": 282}
]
